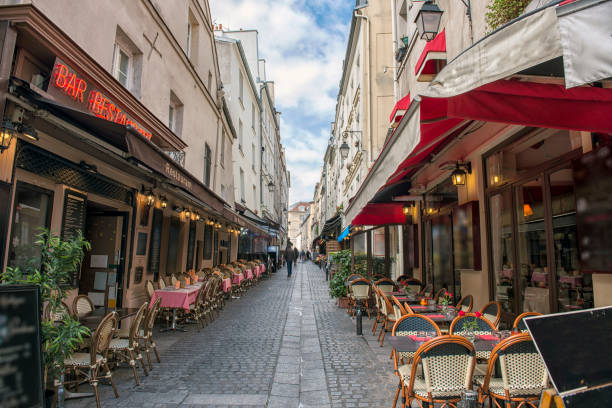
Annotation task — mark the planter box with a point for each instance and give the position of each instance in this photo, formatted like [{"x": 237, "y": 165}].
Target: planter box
[{"x": 343, "y": 302}]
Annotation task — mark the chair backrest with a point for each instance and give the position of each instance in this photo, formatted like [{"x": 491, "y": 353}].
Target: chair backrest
[
  {"x": 458, "y": 324},
  {"x": 137, "y": 324},
  {"x": 377, "y": 277},
  {"x": 427, "y": 290},
  {"x": 360, "y": 287},
  {"x": 353, "y": 276},
  {"x": 519, "y": 323},
  {"x": 82, "y": 306},
  {"x": 58, "y": 315},
  {"x": 438, "y": 294},
  {"x": 102, "y": 336},
  {"x": 465, "y": 303},
  {"x": 162, "y": 284},
  {"x": 448, "y": 366},
  {"x": 398, "y": 308},
  {"x": 173, "y": 279},
  {"x": 149, "y": 289},
  {"x": 152, "y": 315},
  {"x": 385, "y": 305},
  {"x": 386, "y": 285},
  {"x": 411, "y": 324},
  {"x": 492, "y": 312},
  {"x": 410, "y": 284},
  {"x": 522, "y": 369}
]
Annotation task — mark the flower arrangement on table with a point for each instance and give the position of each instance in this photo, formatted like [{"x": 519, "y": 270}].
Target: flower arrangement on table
[
  {"x": 446, "y": 299},
  {"x": 470, "y": 325},
  {"x": 408, "y": 289}
]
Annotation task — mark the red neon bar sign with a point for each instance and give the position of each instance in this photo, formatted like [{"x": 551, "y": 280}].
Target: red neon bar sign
[{"x": 76, "y": 88}]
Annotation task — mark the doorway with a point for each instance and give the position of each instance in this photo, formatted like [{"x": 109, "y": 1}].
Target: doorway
[{"x": 103, "y": 267}]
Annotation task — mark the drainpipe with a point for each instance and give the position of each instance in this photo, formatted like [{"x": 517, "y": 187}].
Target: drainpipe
[
  {"x": 261, "y": 114},
  {"x": 369, "y": 84},
  {"x": 394, "y": 35}
]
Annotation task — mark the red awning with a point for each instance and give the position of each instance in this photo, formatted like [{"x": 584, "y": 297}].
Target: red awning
[
  {"x": 380, "y": 214},
  {"x": 400, "y": 108},
  {"x": 432, "y": 59}
]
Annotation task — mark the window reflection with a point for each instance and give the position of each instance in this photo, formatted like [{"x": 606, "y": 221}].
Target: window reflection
[
  {"x": 574, "y": 290},
  {"x": 502, "y": 248}
]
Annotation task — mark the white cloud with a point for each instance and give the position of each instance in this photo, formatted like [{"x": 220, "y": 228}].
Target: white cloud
[{"x": 303, "y": 42}]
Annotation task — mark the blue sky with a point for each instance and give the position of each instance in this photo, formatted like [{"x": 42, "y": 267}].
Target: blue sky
[{"x": 303, "y": 42}]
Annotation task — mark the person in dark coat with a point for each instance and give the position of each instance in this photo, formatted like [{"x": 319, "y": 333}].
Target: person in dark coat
[
  {"x": 290, "y": 258},
  {"x": 296, "y": 255}
]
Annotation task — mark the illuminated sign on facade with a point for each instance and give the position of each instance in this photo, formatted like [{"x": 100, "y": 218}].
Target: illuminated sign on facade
[{"x": 77, "y": 88}]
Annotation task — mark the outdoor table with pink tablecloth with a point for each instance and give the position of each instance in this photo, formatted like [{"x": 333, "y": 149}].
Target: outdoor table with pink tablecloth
[
  {"x": 249, "y": 274},
  {"x": 237, "y": 278},
  {"x": 176, "y": 298},
  {"x": 226, "y": 285}
]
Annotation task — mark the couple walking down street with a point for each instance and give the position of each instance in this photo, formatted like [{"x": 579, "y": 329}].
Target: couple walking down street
[{"x": 291, "y": 255}]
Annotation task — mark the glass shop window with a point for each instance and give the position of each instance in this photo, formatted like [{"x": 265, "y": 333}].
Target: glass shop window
[{"x": 31, "y": 212}]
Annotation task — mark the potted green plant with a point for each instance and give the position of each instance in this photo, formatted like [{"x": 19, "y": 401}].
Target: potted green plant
[
  {"x": 52, "y": 273},
  {"x": 337, "y": 287}
]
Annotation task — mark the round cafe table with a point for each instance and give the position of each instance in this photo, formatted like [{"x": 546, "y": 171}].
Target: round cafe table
[{"x": 176, "y": 299}]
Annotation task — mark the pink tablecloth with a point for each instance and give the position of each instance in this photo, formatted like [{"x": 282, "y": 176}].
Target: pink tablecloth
[
  {"x": 238, "y": 278},
  {"x": 226, "y": 284},
  {"x": 249, "y": 274},
  {"x": 176, "y": 298}
]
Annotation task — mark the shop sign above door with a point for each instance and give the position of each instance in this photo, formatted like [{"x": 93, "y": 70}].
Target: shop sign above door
[{"x": 66, "y": 81}]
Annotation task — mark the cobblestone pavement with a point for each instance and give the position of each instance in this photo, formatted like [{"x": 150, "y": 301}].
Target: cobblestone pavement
[{"x": 285, "y": 343}]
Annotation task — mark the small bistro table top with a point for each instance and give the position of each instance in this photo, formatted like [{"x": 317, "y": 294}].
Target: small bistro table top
[
  {"x": 92, "y": 321},
  {"x": 403, "y": 344},
  {"x": 176, "y": 298}
]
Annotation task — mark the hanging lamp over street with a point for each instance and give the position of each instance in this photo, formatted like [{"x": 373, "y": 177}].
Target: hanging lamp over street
[{"x": 428, "y": 20}]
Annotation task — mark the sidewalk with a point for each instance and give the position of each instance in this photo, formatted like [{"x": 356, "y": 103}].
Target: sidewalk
[{"x": 283, "y": 344}]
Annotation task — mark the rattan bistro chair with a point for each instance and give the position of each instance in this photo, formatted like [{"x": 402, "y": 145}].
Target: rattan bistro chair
[
  {"x": 411, "y": 285},
  {"x": 484, "y": 327},
  {"x": 149, "y": 289},
  {"x": 58, "y": 315},
  {"x": 523, "y": 374},
  {"x": 359, "y": 291},
  {"x": 439, "y": 294},
  {"x": 465, "y": 303},
  {"x": 492, "y": 312},
  {"x": 128, "y": 349},
  {"x": 409, "y": 325},
  {"x": 448, "y": 366},
  {"x": 388, "y": 315},
  {"x": 147, "y": 332},
  {"x": 162, "y": 283},
  {"x": 519, "y": 323},
  {"x": 386, "y": 285},
  {"x": 378, "y": 309},
  {"x": 399, "y": 309},
  {"x": 87, "y": 366},
  {"x": 82, "y": 306}
]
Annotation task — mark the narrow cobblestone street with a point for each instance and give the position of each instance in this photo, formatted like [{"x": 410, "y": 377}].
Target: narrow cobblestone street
[{"x": 284, "y": 344}]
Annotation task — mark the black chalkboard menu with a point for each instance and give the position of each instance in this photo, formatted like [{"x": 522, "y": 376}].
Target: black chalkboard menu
[
  {"x": 155, "y": 243},
  {"x": 73, "y": 219},
  {"x": 21, "y": 379},
  {"x": 74, "y": 213},
  {"x": 593, "y": 184},
  {"x": 191, "y": 245},
  {"x": 208, "y": 242}
]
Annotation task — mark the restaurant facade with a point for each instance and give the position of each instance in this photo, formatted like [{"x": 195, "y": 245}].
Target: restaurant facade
[
  {"x": 82, "y": 153},
  {"x": 494, "y": 179}
]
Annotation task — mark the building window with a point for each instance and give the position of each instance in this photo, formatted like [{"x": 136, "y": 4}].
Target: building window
[
  {"x": 192, "y": 36},
  {"x": 240, "y": 88},
  {"x": 122, "y": 66},
  {"x": 127, "y": 62},
  {"x": 175, "y": 114},
  {"x": 32, "y": 210},
  {"x": 242, "y": 185},
  {"x": 240, "y": 131},
  {"x": 253, "y": 156},
  {"x": 253, "y": 116},
  {"x": 222, "y": 154},
  {"x": 207, "y": 162}
]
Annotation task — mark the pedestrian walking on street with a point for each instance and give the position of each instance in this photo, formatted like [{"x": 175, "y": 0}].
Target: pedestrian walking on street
[
  {"x": 296, "y": 255},
  {"x": 290, "y": 258}
]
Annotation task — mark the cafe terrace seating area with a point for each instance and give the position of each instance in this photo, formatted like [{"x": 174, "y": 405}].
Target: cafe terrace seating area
[
  {"x": 442, "y": 349},
  {"x": 124, "y": 337}
]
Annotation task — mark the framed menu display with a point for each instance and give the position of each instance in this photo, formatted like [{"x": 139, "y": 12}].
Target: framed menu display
[
  {"x": 21, "y": 376},
  {"x": 73, "y": 221},
  {"x": 155, "y": 243}
]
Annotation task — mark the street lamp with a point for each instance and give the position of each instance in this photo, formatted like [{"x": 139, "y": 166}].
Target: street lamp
[
  {"x": 459, "y": 175},
  {"x": 428, "y": 20},
  {"x": 344, "y": 150},
  {"x": 6, "y": 135}
]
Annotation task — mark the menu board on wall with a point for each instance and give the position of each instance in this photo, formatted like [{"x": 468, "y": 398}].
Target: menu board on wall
[
  {"x": 73, "y": 220},
  {"x": 21, "y": 383},
  {"x": 191, "y": 245},
  {"x": 208, "y": 242},
  {"x": 155, "y": 243}
]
